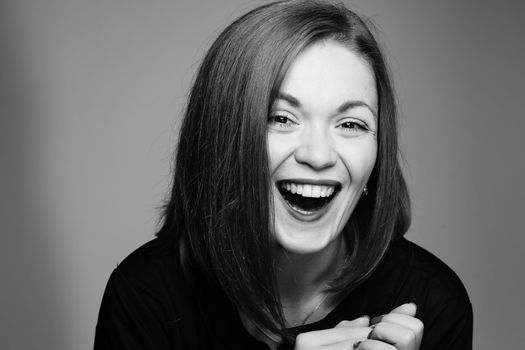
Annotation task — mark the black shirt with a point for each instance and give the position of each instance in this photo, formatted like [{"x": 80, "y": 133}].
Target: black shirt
[{"x": 148, "y": 305}]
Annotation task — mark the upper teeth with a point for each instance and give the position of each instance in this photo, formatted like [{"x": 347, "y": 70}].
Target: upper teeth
[{"x": 307, "y": 190}]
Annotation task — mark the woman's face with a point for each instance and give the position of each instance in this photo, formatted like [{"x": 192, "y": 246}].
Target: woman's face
[{"x": 322, "y": 145}]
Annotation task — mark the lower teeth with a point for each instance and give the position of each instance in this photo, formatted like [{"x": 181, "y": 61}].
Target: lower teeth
[
  {"x": 302, "y": 211},
  {"x": 305, "y": 204}
]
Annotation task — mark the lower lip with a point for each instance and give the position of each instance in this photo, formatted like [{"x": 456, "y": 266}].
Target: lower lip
[{"x": 306, "y": 215}]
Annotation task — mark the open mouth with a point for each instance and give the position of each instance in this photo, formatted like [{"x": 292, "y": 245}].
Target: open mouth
[{"x": 307, "y": 198}]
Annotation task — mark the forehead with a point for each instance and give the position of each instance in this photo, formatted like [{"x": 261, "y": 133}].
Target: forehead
[{"x": 328, "y": 73}]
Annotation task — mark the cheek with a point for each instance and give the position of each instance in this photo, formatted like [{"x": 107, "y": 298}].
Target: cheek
[
  {"x": 279, "y": 149},
  {"x": 359, "y": 159}
]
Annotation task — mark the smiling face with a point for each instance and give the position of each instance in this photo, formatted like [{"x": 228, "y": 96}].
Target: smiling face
[{"x": 321, "y": 144}]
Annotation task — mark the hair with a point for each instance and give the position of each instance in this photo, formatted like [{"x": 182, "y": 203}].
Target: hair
[{"x": 218, "y": 214}]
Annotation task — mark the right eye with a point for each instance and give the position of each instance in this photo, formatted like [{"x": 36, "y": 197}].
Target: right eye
[{"x": 281, "y": 121}]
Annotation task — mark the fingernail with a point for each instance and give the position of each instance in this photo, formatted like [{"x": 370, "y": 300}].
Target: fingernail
[{"x": 376, "y": 319}]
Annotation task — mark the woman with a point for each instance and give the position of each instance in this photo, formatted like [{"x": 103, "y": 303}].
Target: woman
[{"x": 285, "y": 223}]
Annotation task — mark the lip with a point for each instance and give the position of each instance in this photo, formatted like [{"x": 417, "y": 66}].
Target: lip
[
  {"x": 320, "y": 182},
  {"x": 313, "y": 216}
]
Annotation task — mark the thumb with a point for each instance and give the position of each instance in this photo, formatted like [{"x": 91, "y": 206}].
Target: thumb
[
  {"x": 363, "y": 321},
  {"x": 408, "y": 309}
]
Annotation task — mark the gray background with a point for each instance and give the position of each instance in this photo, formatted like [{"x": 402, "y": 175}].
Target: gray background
[{"x": 92, "y": 92}]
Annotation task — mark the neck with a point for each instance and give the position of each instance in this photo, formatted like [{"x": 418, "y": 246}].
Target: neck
[{"x": 302, "y": 277}]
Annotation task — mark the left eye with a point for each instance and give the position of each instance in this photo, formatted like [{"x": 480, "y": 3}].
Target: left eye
[{"x": 354, "y": 127}]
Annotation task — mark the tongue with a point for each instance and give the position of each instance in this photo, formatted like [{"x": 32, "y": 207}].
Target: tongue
[{"x": 304, "y": 203}]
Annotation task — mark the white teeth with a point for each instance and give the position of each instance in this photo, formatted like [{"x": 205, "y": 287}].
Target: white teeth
[
  {"x": 307, "y": 190},
  {"x": 329, "y": 191}
]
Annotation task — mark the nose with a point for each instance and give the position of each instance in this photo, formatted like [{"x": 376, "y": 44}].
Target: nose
[{"x": 316, "y": 150}]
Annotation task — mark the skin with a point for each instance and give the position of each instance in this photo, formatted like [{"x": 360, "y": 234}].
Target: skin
[
  {"x": 322, "y": 127},
  {"x": 398, "y": 329}
]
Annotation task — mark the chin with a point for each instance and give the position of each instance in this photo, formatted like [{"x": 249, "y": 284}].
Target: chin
[
  {"x": 310, "y": 225},
  {"x": 304, "y": 237},
  {"x": 306, "y": 244}
]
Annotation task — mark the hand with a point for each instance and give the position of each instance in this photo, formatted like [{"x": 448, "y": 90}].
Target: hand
[
  {"x": 341, "y": 337},
  {"x": 398, "y": 329}
]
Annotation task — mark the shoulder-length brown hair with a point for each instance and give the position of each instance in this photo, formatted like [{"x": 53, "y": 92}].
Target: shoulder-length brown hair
[{"x": 220, "y": 204}]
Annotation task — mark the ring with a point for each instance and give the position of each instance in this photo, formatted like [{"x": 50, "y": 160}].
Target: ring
[{"x": 356, "y": 344}]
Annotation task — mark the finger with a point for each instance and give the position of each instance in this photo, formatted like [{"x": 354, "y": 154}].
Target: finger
[
  {"x": 409, "y": 321},
  {"x": 373, "y": 344},
  {"x": 412, "y": 323},
  {"x": 330, "y": 336},
  {"x": 344, "y": 345},
  {"x": 406, "y": 321},
  {"x": 400, "y": 336},
  {"x": 362, "y": 321},
  {"x": 392, "y": 317},
  {"x": 406, "y": 309}
]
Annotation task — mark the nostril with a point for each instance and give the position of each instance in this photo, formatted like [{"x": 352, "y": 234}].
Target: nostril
[{"x": 316, "y": 156}]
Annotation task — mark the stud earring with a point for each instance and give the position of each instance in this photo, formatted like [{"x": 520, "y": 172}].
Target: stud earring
[{"x": 365, "y": 191}]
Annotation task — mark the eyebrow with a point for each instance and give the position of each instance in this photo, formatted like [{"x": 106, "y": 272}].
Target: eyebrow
[{"x": 294, "y": 102}]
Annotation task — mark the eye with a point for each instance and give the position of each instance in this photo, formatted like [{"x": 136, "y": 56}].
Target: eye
[
  {"x": 281, "y": 121},
  {"x": 354, "y": 127}
]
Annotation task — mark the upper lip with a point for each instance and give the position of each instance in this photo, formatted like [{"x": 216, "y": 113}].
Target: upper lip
[{"x": 320, "y": 182}]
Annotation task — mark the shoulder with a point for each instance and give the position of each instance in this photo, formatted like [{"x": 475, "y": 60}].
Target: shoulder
[
  {"x": 149, "y": 276},
  {"x": 152, "y": 276},
  {"x": 150, "y": 303},
  {"x": 145, "y": 301},
  {"x": 424, "y": 270},
  {"x": 442, "y": 301},
  {"x": 410, "y": 273},
  {"x": 153, "y": 261}
]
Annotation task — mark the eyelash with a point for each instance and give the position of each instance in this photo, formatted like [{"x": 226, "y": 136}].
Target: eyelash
[
  {"x": 352, "y": 124},
  {"x": 282, "y": 121}
]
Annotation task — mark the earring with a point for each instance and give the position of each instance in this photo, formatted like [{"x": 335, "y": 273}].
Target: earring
[{"x": 365, "y": 191}]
